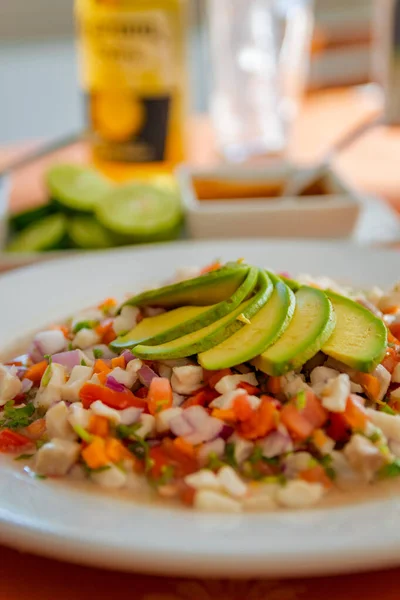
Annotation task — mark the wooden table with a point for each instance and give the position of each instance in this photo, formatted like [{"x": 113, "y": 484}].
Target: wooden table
[{"x": 372, "y": 164}]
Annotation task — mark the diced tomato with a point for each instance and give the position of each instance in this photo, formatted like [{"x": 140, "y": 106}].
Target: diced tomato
[
  {"x": 274, "y": 385},
  {"x": 187, "y": 494},
  {"x": 142, "y": 392},
  {"x": 100, "y": 366},
  {"x": 36, "y": 372},
  {"x": 118, "y": 361},
  {"x": 106, "y": 331},
  {"x": 337, "y": 428},
  {"x": 203, "y": 398},
  {"x": 252, "y": 390},
  {"x": 11, "y": 441},
  {"x": 391, "y": 360},
  {"x": 316, "y": 474},
  {"x": 242, "y": 408},
  {"x": 313, "y": 411},
  {"x": 261, "y": 422},
  {"x": 159, "y": 460},
  {"x": 215, "y": 376},
  {"x": 91, "y": 392},
  {"x": 160, "y": 395},
  {"x": 355, "y": 414},
  {"x": 295, "y": 422},
  {"x": 182, "y": 463}
]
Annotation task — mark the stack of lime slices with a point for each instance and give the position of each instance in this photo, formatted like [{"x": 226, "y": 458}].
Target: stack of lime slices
[{"x": 88, "y": 211}]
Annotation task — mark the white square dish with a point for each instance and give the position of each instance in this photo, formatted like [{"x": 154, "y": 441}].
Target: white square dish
[{"x": 332, "y": 215}]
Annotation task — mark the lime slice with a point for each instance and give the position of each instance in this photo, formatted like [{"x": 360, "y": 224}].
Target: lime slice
[
  {"x": 21, "y": 220},
  {"x": 76, "y": 187},
  {"x": 47, "y": 234},
  {"x": 86, "y": 232},
  {"x": 140, "y": 212}
]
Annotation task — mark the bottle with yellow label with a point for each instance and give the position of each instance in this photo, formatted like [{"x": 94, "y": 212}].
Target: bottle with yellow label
[{"x": 133, "y": 70}]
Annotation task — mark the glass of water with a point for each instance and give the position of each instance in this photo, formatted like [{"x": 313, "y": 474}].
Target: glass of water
[{"x": 259, "y": 51}]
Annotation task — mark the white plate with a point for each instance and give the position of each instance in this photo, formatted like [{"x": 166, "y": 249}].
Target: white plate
[{"x": 57, "y": 520}]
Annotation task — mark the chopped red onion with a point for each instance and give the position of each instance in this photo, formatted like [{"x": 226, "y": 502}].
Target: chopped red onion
[
  {"x": 197, "y": 416},
  {"x": 48, "y": 342},
  {"x": 226, "y": 432},
  {"x": 276, "y": 443},
  {"x": 26, "y": 385},
  {"x": 209, "y": 431},
  {"x": 114, "y": 385},
  {"x": 20, "y": 372},
  {"x": 69, "y": 359},
  {"x": 128, "y": 356},
  {"x": 216, "y": 447},
  {"x": 146, "y": 375}
]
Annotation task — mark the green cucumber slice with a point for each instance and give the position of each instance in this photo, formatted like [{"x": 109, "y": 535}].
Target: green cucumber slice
[
  {"x": 140, "y": 212},
  {"x": 76, "y": 187},
  {"x": 48, "y": 234},
  {"x": 87, "y": 233}
]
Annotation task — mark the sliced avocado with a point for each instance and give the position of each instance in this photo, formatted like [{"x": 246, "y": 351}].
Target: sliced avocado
[
  {"x": 207, "y": 289},
  {"x": 312, "y": 325},
  {"x": 359, "y": 339},
  {"x": 206, "y": 338},
  {"x": 189, "y": 324},
  {"x": 265, "y": 327},
  {"x": 156, "y": 326}
]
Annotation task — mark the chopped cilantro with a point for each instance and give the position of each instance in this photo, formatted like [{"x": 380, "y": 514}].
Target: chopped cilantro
[
  {"x": 140, "y": 449},
  {"x": 256, "y": 455},
  {"x": 38, "y": 476},
  {"x": 16, "y": 418},
  {"x": 70, "y": 346},
  {"x": 391, "y": 470},
  {"x": 301, "y": 400},
  {"x": 39, "y": 444},
  {"x": 49, "y": 358},
  {"x": 47, "y": 376},
  {"x": 83, "y": 434},
  {"x": 128, "y": 431},
  {"x": 97, "y": 352},
  {"x": 214, "y": 462},
  {"x": 24, "y": 456},
  {"x": 374, "y": 437},
  {"x": 230, "y": 454},
  {"x": 388, "y": 410},
  {"x": 89, "y": 471},
  {"x": 84, "y": 325},
  {"x": 271, "y": 479},
  {"x": 167, "y": 474},
  {"x": 83, "y": 363}
]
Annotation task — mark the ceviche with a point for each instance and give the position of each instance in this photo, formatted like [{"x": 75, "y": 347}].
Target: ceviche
[{"x": 232, "y": 388}]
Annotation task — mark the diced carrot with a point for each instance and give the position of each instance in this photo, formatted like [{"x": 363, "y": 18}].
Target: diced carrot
[
  {"x": 224, "y": 414},
  {"x": 118, "y": 361},
  {"x": 62, "y": 328},
  {"x": 11, "y": 441},
  {"x": 313, "y": 411},
  {"x": 262, "y": 421},
  {"x": 102, "y": 377},
  {"x": 106, "y": 331},
  {"x": 391, "y": 360},
  {"x": 184, "y": 447},
  {"x": 337, "y": 428},
  {"x": 99, "y": 426},
  {"x": 107, "y": 304},
  {"x": 36, "y": 372},
  {"x": 36, "y": 429},
  {"x": 274, "y": 385},
  {"x": 242, "y": 408},
  {"x": 355, "y": 414},
  {"x": 90, "y": 392},
  {"x": 101, "y": 367},
  {"x": 295, "y": 422},
  {"x": 319, "y": 438},
  {"x": 316, "y": 475},
  {"x": 187, "y": 495},
  {"x": 392, "y": 310},
  {"x": 95, "y": 455},
  {"x": 212, "y": 267},
  {"x": 202, "y": 398},
  {"x": 252, "y": 390},
  {"x": 160, "y": 395},
  {"x": 217, "y": 376},
  {"x": 115, "y": 450},
  {"x": 371, "y": 385}
]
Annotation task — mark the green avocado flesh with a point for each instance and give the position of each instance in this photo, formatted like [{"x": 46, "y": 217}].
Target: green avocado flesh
[
  {"x": 359, "y": 339},
  {"x": 265, "y": 327},
  {"x": 186, "y": 321},
  {"x": 207, "y": 289},
  {"x": 190, "y": 344},
  {"x": 312, "y": 325}
]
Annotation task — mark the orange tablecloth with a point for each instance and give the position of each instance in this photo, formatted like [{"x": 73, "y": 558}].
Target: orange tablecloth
[{"x": 372, "y": 164}]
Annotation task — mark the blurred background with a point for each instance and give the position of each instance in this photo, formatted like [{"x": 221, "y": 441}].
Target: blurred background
[{"x": 40, "y": 96}]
